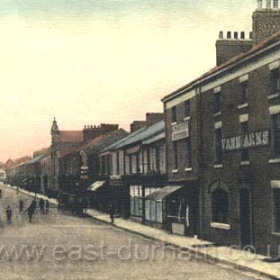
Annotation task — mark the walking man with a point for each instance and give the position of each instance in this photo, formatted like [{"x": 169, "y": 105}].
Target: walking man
[
  {"x": 30, "y": 211},
  {"x": 42, "y": 206},
  {"x": 111, "y": 212},
  {"x": 9, "y": 214},
  {"x": 47, "y": 207},
  {"x": 21, "y": 205}
]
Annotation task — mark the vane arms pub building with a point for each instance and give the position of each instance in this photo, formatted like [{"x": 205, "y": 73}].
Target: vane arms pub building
[{"x": 232, "y": 138}]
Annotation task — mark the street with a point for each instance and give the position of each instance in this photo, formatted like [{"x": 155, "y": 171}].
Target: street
[{"x": 60, "y": 246}]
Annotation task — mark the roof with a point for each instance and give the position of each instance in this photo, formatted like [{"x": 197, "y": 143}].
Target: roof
[
  {"x": 99, "y": 143},
  {"x": 35, "y": 159},
  {"x": 229, "y": 63},
  {"x": 162, "y": 193},
  {"x": 139, "y": 136},
  {"x": 71, "y": 136}
]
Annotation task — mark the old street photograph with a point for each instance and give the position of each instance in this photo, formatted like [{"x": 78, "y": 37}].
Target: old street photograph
[{"x": 140, "y": 140}]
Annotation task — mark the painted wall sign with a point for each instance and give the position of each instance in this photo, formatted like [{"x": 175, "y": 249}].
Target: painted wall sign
[
  {"x": 250, "y": 140},
  {"x": 180, "y": 131}
]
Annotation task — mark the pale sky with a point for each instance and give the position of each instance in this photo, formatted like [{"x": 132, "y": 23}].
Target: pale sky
[{"x": 101, "y": 61}]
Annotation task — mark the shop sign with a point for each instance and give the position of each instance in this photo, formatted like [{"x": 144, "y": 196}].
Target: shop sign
[
  {"x": 180, "y": 131},
  {"x": 250, "y": 140}
]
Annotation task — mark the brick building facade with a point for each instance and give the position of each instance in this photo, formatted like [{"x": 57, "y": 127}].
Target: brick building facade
[{"x": 234, "y": 132}]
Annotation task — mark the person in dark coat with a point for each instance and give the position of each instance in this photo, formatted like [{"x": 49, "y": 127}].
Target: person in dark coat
[
  {"x": 21, "y": 205},
  {"x": 111, "y": 212},
  {"x": 42, "y": 206},
  {"x": 47, "y": 206},
  {"x": 9, "y": 214},
  {"x": 30, "y": 211}
]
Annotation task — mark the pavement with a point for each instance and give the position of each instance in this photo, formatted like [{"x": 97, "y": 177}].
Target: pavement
[{"x": 230, "y": 256}]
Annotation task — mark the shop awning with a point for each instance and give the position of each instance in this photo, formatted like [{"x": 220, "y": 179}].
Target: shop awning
[
  {"x": 161, "y": 194},
  {"x": 96, "y": 185}
]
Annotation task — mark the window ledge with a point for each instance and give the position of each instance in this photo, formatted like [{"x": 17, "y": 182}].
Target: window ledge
[
  {"x": 218, "y": 166},
  {"x": 217, "y": 114},
  {"x": 220, "y": 226},
  {"x": 276, "y": 233},
  {"x": 175, "y": 171},
  {"x": 188, "y": 169},
  {"x": 244, "y": 163},
  {"x": 187, "y": 118},
  {"x": 241, "y": 106},
  {"x": 272, "y": 96},
  {"x": 173, "y": 123},
  {"x": 274, "y": 160}
]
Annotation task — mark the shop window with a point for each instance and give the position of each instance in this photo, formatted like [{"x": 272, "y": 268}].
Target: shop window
[
  {"x": 275, "y": 135},
  {"x": 244, "y": 152},
  {"x": 274, "y": 81},
  {"x": 187, "y": 106},
  {"x": 175, "y": 155},
  {"x": 217, "y": 102},
  {"x": 220, "y": 206},
  {"x": 136, "y": 201},
  {"x": 243, "y": 98},
  {"x": 276, "y": 209},
  {"x": 218, "y": 146},
  {"x": 173, "y": 115},
  {"x": 188, "y": 153}
]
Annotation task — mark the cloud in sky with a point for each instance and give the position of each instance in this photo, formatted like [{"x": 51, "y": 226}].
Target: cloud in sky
[{"x": 88, "y": 61}]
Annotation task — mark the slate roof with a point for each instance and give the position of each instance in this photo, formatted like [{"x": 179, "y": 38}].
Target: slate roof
[
  {"x": 71, "y": 136},
  {"x": 229, "y": 63},
  {"x": 34, "y": 160},
  {"x": 138, "y": 136}
]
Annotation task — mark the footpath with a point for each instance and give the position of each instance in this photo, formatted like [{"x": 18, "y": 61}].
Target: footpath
[{"x": 231, "y": 256}]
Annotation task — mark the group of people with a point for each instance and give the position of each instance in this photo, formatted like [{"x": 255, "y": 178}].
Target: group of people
[{"x": 31, "y": 210}]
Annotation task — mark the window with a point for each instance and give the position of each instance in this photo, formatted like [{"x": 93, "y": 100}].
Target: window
[
  {"x": 148, "y": 160},
  {"x": 244, "y": 152},
  {"x": 220, "y": 206},
  {"x": 217, "y": 102},
  {"x": 188, "y": 153},
  {"x": 275, "y": 135},
  {"x": 274, "y": 81},
  {"x": 158, "y": 159},
  {"x": 118, "y": 163},
  {"x": 218, "y": 145},
  {"x": 276, "y": 209},
  {"x": 130, "y": 164},
  {"x": 187, "y": 108},
  {"x": 175, "y": 155},
  {"x": 173, "y": 114},
  {"x": 137, "y": 163},
  {"x": 136, "y": 201},
  {"x": 243, "y": 92}
]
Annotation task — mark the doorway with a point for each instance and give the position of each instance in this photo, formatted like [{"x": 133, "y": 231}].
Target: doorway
[{"x": 245, "y": 217}]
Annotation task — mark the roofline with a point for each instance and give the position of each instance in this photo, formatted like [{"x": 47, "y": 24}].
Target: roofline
[{"x": 227, "y": 65}]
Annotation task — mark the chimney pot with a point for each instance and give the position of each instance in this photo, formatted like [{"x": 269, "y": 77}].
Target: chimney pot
[
  {"x": 235, "y": 35},
  {"x": 228, "y": 35},
  {"x": 242, "y": 35},
  {"x": 221, "y": 35}
]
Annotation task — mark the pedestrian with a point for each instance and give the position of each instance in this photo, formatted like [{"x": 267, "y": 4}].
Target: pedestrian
[
  {"x": 42, "y": 206},
  {"x": 111, "y": 212},
  {"x": 0, "y": 193},
  {"x": 21, "y": 205},
  {"x": 34, "y": 205},
  {"x": 9, "y": 214},
  {"x": 47, "y": 207},
  {"x": 30, "y": 211}
]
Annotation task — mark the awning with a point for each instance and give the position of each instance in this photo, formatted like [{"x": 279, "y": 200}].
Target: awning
[
  {"x": 161, "y": 194},
  {"x": 96, "y": 185}
]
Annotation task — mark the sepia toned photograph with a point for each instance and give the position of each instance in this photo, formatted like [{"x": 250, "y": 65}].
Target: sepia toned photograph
[{"x": 140, "y": 140}]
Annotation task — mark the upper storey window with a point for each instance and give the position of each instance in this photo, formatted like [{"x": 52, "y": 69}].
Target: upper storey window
[
  {"x": 217, "y": 100},
  {"x": 243, "y": 98},
  {"x": 274, "y": 78},
  {"x": 173, "y": 114},
  {"x": 187, "y": 108}
]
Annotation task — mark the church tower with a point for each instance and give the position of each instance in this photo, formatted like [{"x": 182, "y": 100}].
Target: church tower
[{"x": 54, "y": 132}]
